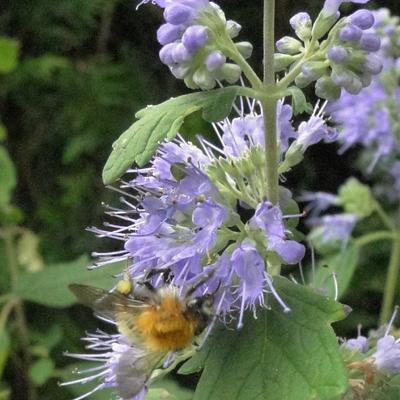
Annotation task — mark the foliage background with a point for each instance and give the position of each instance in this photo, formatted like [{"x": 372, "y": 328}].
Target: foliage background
[{"x": 84, "y": 68}]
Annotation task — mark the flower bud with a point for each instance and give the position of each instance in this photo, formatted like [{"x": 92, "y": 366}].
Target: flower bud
[
  {"x": 233, "y": 28},
  {"x": 293, "y": 156},
  {"x": 327, "y": 89},
  {"x": 195, "y": 37},
  {"x": 302, "y": 81},
  {"x": 342, "y": 77},
  {"x": 245, "y": 49},
  {"x": 370, "y": 42},
  {"x": 364, "y": 19},
  {"x": 373, "y": 64},
  {"x": 354, "y": 86},
  {"x": 166, "y": 54},
  {"x": 366, "y": 79},
  {"x": 313, "y": 70},
  {"x": 215, "y": 60},
  {"x": 230, "y": 72},
  {"x": 180, "y": 71},
  {"x": 323, "y": 24},
  {"x": 168, "y": 33},
  {"x": 180, "y": 54},
  {"x": 178, "y": 14},
  {"x": 338, "y": 54},
  {"x": 350, "y": 33},
  {"x": 282, "y": 61},
  {"x": 302, "y": 25},
  {"x": 289, "y": 45},
  {"x": 203, "y": 79}
]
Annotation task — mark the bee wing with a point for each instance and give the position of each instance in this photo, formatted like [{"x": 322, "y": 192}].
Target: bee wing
[
  {"x": 107, "y": 305},
  {"x": 133, "y": 371}
]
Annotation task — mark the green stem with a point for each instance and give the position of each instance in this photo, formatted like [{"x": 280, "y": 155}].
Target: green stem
[
  {"x": 391, "y": 283},
  {"x": 384, "y": 217},
  {"x": 269, "y": 104},
  {"x": 20, "y": 319},
  {"x": 374, "y": 237},
  {"x": 232, "y": 52},
  {"x": 269, "y": 42}
]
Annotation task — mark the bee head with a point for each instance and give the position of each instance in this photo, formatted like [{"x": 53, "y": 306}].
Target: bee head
[{"x": 202, "y": 305}]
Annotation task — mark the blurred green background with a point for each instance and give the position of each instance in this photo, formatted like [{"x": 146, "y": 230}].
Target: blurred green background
[{"x": 72, "y": 75}]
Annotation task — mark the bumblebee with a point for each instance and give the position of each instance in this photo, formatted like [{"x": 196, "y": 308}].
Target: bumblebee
[{"x": 156, "y": 321}]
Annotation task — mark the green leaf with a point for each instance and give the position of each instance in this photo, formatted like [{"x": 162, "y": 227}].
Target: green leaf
[
  {"x": 3, "y": 132},
  {"x": 28, "y": 251},
  {"x": 5, "y": 391},
  {"x": 8, "y": 177},
  {"x": 168, "y": 389},
  {"x": 41, "y": 370},
  {"x": 278, "y": 356},
  {"x": 299, "y": 101},
  {"x": 50, "y": 286},
  {"x": 356, "y": 198},
  {"x": 156, "y": 123},
  {"x": 4, "y": 349},
  {"x": 9, "y": 49},
  {"x": 343, "y": 265}
]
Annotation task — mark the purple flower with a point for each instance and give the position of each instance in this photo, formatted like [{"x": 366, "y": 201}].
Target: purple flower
[
  {"x": 250, "y": 268},
  {"x": 318, "y": 201},
  {"x": 314, "y": 130},
  {"x": 360, "y": 344},
  {"x": 335, "y": 227},
  {"x": 269, "y": 218},
  {"x": 114, "y": 355},
  {"x": 387, "y": 355}
]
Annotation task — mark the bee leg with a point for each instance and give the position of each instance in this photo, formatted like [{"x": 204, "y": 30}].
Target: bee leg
[
  {"x": 193, "y": 288},
  {"x": 152, "y": 272},
  {"x": 207, "y": 332}
]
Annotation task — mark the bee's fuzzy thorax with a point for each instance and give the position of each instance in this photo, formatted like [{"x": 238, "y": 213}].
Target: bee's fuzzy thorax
[{"x": 166, "y": 327}]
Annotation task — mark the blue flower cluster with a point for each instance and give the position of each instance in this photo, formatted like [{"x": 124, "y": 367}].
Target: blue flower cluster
[
  {"x": 192, "y": 45},
  {"x": 379, "y": 132},
  {"x": 345, "y": 59}
]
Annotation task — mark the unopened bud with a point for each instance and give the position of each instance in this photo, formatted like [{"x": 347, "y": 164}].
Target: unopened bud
[
  {"x": 338, "y": 54},
  {"x": 327, "y": 89},
  {"x": 204, "y": 79},
  {"x": 245, "y": 49},
  {"x": 302, "y": 25},
  {"x": 282, "y": 61},
  {"x": 370, "y": 42},
  {"x": 323, "y": 24},
  {"x": 233, "y": 28},
  {"x": 313, "y": 70},
  {"x": 364, "y": 19},
  {"x": 289, "y": 45},
  {"x": 350, "y": 33},
  {"x": 230, "y": 72}
]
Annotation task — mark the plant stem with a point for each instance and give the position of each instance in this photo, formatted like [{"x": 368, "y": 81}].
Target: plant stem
[
  {"x": 384, "y": 217},
  {"x": 391, "y": 282},
  {"x": 22, "y": 326},
  {"x": 229, "y": 48},
  {"x": 374, "y": 237},
  {"x": 269, "y": 42},
  {"x": 269, "y": 104}
]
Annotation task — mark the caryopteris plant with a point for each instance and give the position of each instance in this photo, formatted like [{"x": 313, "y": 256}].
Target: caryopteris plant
[{"x": 207, "y": 229}]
